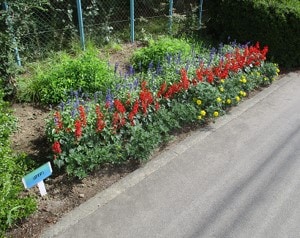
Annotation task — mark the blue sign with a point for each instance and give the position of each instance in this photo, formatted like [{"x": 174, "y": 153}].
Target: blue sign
[{"x": 37, "y": 175}]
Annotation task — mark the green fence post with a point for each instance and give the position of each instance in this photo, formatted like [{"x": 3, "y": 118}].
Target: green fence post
[
  {"x": 11, "y": 31},
  {"x": 80, "y": 22},
  {"x": 170, "y": 16},
  {"x": 200, "y": 13},
  {"x": 132, "y": 21}
]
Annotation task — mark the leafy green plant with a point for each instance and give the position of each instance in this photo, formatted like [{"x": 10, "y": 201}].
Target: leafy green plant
[
  {"x": 158, "y": 50},
  {"x": 13, "y": 205},
  {"x": 52, "y": 82}
]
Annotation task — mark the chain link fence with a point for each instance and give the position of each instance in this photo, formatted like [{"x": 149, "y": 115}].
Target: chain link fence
[{"x": 55, "y": 25}]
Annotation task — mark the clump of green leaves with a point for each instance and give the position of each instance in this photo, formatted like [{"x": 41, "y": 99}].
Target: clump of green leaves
[
  {"x": 13, "y": 206},
  {"x": 158, "y": 50},
  {"x": 51, "y": 82}
]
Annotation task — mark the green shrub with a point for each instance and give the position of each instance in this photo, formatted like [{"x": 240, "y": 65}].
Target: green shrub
[
  {"x": 158, "y": 50},
  {"x": 13, "y": 206},
  {"x": 273, "y": 23},
  {"x": 51, "y": 82}
]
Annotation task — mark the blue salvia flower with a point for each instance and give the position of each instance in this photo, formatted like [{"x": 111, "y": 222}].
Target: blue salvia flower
[
  {"x": 61, "y": 106},
  {"x": 131, "y": 70},
  {"x": 221, "y": 48},
  {"x": 179, "y": 58},
  {"x": 109, "y": 99},
  {"x": 116, "y": 67},
  {"x": 73, "y": 113},
  {"x": 158, "y": 68},
  {"x": 136, "y": 83},
  {"x": 130, "y": 86},
  {"x": 187, "y": 66},
  {"x": 150, "y": 65}
]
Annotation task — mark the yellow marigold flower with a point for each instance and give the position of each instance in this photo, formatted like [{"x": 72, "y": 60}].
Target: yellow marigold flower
[
  {"x": 237, "y": 98},
  {"x": 277, "y": 70},
  {"x": 243, "y": 94},
  {"x": 216, "y": 114},
  {"x": 222, "y": 80},
  {"x": 228, "y": 101},
  {"x": 199, "y": 102},
  {"x": 219, "y": 99},
  {"x": 202, "y": 113},
  {"x": 221, "y": 89},
  {"x": 199, "y": 117}
]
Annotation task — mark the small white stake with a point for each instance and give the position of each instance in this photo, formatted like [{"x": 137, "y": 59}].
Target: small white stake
[{"x": 42, "y": 188}]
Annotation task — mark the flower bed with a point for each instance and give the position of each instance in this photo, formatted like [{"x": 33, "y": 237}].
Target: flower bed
[{"x": 133, "y": 119}]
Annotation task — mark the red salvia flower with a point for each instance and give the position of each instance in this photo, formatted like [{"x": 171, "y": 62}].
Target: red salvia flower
[
  {"x": 58, "y": 121},
  {"x": 100, "y": 123},
  {"x": 119, "y": 106},
  {"x": 82, "y": 115},
  {"x": 78, "y": 129},
  {"x": 157, "y": 106},
  {"x": 162, "y": 89},
  {"x": 116, "y": 120},
  {"x": 56, "y": 147},
  {"x": 146, "y": 97},
  {"x": 134, "y": 111},
  {"x": 184, "y": 79}
]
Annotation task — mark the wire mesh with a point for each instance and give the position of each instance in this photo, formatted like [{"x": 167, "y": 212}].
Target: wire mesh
[{"x": 55, "y": 27}]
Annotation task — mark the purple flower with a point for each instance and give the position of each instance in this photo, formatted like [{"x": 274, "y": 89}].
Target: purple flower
[
  {"x": 61, "y": 106},
  {"x": 131, "y": 70},
  {"x": 109, "y": 99},
  {"x": 150, "y": 65}
]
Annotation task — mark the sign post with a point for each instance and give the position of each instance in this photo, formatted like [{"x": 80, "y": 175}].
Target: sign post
[{"x": 37, "y": 177}]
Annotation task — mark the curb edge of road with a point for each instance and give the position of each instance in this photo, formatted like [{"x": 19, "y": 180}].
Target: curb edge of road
[{"x": 166, "y": 156}]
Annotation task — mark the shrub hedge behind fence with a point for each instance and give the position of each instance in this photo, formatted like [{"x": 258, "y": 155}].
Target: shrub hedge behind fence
[{"x": 273, "y": 23}]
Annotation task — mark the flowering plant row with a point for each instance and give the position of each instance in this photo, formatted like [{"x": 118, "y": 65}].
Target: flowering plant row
[{"x": 86, "y": 133}]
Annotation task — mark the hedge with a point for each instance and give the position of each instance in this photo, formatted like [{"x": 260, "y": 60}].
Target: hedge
[{"x": 273, "y": 23}]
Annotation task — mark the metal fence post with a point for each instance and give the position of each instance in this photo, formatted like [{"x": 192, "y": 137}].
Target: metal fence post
[
  {"x": 200, "y": 13},
  {"x": 80, "y": 22},
  {"x": 11, "y": 31},
  {"x": 132, "y": 21},
  {"x": 170, "y": 16}
]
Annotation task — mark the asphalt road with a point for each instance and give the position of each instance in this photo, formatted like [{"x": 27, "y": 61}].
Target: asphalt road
[{"x": 239, "y": 177}]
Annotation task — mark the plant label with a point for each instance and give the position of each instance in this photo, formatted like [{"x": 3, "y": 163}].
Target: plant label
[{"x": 37, "y": 177}]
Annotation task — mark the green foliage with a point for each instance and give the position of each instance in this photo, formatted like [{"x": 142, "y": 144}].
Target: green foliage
[
  {"x": 15, "y": 20},
  {"x": 157, "y": 51},
  {"x": 51, "y": 82},
  {"x": 13, "y": 206},
  {"x": 273, "y": 23}
]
